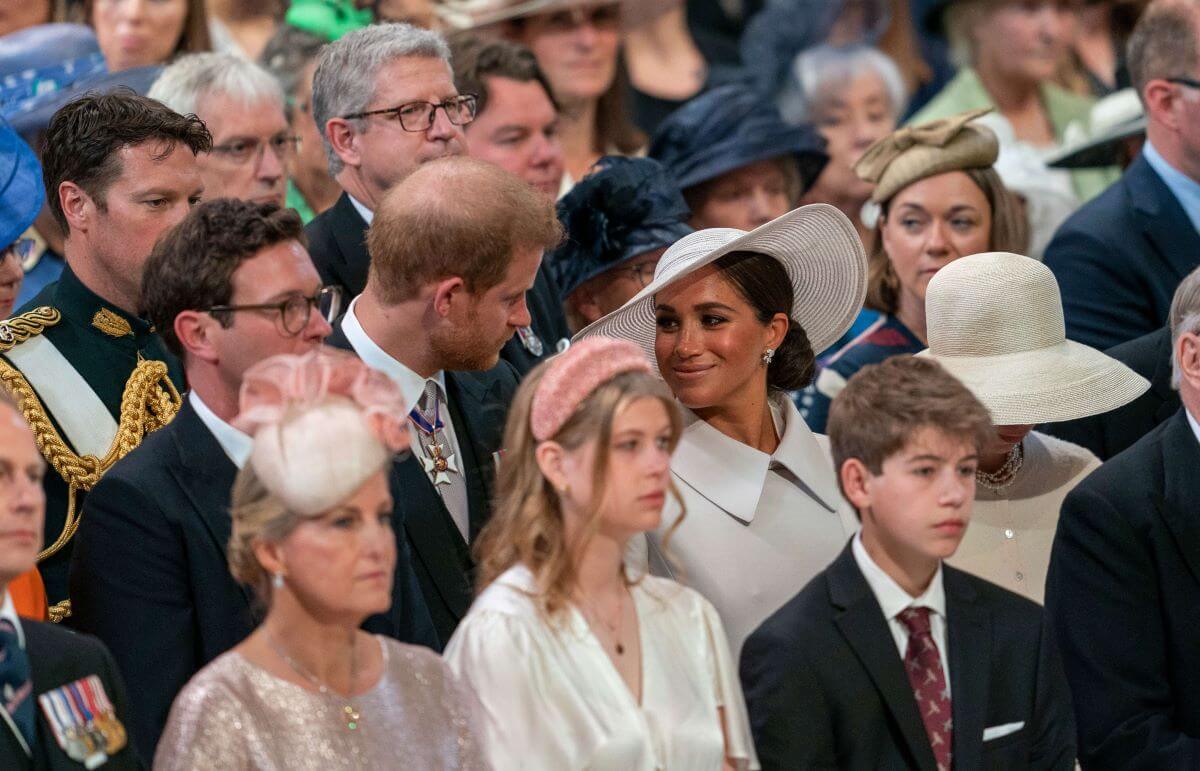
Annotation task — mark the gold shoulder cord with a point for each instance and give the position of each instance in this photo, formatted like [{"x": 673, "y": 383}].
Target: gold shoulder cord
[{"x": 149, "y": 402}]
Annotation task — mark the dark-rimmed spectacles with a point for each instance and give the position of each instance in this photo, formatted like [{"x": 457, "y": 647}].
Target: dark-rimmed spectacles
[
  {"x": 296, "y": 310},
  {"x": 241, "y": 151},
  {"x": 1184, "y": 82},
  {"x": 419, "y": 116}
]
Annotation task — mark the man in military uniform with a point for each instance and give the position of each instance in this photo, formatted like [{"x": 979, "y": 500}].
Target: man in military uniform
[{"x": 90, "y": 376}]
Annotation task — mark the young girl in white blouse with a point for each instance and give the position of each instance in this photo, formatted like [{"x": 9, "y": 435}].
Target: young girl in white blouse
[{"x": 576, "y": 663}]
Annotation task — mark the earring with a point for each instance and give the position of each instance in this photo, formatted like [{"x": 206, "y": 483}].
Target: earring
[
  {"x": 564, "y": 491},
  {"x": 768, "y": 356},
  {"x": 277, "y": 581}
]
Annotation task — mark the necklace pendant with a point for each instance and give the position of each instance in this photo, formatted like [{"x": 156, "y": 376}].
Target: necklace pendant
[{"x": 352, "y": 717}]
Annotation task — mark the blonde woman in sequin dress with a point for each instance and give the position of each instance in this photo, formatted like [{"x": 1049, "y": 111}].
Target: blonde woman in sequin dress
[{"x": 312, "y": 538}]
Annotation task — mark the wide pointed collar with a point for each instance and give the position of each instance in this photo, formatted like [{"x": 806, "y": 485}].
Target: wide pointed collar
[{"x": 731, "y": 475}]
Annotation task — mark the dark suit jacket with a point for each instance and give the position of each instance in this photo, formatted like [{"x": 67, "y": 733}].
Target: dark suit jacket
[
  {"x": 1110, "y": 433},
  {"x": 1119, "y": 258},
  {"x": 337, "y": 243},
  {"x": 826, "y": 687},
  {"x": 478, "y": 403},
  {"x": 150, "y": 576},
  {"x": 1122, "y": 598},
  {"x": 57, "y": 657}
]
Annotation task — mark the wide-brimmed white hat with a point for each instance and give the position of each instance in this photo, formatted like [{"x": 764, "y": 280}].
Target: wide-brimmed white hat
[
  {"x": 995, "y": 322},
  {"x": 1113, "y": 119},
  {"x": 469, "y": 14},
  {"x": 817, "y": 246}
]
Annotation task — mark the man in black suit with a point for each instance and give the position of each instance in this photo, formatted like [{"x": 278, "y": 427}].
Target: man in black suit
[
  {"x": 888, "y": 658},
  {"x": 454, "y": 248},
  {"x": 229, "y": 287},
  {"x": 1121, "y": 593},
  {"x": 45, "y": 664},
  {"x": 1119, "y": 258},
  {"x": 361, "y": 83}
]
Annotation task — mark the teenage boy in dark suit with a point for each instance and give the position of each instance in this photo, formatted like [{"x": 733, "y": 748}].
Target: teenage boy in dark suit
[{"x": 888, "y": 658}]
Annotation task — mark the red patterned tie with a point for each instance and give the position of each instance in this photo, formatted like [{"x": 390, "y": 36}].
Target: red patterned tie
[{"x": 924, "y": 667}]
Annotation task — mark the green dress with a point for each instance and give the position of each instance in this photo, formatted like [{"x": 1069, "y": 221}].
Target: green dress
[{"x": 966, "y": 92}]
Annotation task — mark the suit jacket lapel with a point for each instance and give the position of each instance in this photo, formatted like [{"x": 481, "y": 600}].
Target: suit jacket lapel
[
  {"x": 861, "y": 622},
  {"x": 205, "y": 475},
  {"x": 970, "y": 643},
  {"x": 1164, "y": 221},
  {"x": 1181, "y": 488},
  {"x": 477, "y": 428}
]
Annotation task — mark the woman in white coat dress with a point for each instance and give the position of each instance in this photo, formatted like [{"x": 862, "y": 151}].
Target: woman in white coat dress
[{"x": 731, "y": 321}]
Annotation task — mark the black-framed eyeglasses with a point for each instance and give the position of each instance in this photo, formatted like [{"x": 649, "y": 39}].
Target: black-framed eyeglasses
[
  {"x": 643, "y": 273},
  {"x": 1184, "y": 82},
  {"x": 419, "y": 116},
  {"x": 241, "y": 151},
  {"x": 22, "y": 248},
  {"x": 296, "y": 310}
]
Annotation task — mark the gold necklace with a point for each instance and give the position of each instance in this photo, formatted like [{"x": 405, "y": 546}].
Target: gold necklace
[
  {"x": 614, "y": 630},
  {"x": 349, "y": 713}
]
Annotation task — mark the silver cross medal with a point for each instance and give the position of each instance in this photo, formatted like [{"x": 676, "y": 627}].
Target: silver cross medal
[{"x": 438, "y": 463}]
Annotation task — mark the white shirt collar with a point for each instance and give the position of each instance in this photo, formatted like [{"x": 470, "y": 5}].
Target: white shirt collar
[
  {"x": 891, "y": 597},
  {"x": 731, "y": 474},
  {"x": 1192, "y": 422},
  {"x": 361, "y": 208},
  {"x": 237, "y": 446},
  {"x": 8, "y": 612},
  {"x": 411, "y": 384}
]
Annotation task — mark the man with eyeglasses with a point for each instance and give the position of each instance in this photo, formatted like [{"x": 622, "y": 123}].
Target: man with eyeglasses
[
  {"x": 229, "y": 287},
  {"x": 93, "y": 376},
  {"x": 385, "y": 100},
  {"x": 243, "y": 107},
  {"x": 1119, "y": 258}
]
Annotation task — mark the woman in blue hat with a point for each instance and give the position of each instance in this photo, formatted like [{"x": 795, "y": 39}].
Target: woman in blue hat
[
  {"x": 21, "y": 196},
  {"x": 619, "y": 220},
  {"x": 738, "y": 164}
]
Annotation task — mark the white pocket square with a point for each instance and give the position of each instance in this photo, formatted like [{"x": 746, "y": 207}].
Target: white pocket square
[{"x": 996, "y": 731}]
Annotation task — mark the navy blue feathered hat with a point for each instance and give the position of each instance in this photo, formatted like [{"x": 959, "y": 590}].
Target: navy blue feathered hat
[
  {"x": 624, "y": 208},
  {"x": 727, "y": 128}
]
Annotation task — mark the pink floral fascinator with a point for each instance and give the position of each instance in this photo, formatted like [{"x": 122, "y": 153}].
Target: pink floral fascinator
[
  {"x": 573, "y": 375},
  {"x": 322, "y": 423}
]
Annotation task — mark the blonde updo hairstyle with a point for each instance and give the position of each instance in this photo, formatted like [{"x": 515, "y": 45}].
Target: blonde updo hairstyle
[
  {"x": 527, "y": 526},
  {"x": 257, "y": 516}
]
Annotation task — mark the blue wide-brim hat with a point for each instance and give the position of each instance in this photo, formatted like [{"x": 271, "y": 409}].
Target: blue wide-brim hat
[
  {"x": 21, "y": 191},
  {"x": 31, "y": 116},
  {"x": 624, "y": 208},
  {"x": 44, "y": 58},
  {"x": 727, "y": 128}
]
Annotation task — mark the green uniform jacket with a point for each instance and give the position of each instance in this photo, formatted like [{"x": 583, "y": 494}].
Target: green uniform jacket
[
  {"x": 104, "y": 344},
  {"x": 966, "y": 92}
]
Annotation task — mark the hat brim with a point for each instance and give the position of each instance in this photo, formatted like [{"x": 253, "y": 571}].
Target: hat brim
[
  {"x": 818, "y": 247},
  {"x": 1065, "y": 381},
  {"x": 1098, "y": 151},
  {"x": 21, "y": 190},
  {"x": 461, "y": 20}
]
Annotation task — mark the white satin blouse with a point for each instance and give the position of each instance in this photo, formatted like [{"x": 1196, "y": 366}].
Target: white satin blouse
[{"x": 552, "y": 699}]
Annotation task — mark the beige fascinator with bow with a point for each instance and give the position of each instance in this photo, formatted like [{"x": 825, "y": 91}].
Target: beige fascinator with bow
[{"x": 913, "y": 153}]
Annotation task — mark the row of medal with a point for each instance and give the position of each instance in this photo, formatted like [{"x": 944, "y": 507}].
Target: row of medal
[{"x": 84, "y": 721}]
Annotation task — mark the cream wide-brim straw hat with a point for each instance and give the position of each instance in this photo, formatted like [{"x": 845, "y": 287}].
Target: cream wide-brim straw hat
[
  {"x": 818, "y": 247},
  {"x": 469, "y": 14},
  {"x": 995, "y": 322}
]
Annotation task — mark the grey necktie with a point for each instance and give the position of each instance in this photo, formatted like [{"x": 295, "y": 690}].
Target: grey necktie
[{"x": 441, "y": 461}]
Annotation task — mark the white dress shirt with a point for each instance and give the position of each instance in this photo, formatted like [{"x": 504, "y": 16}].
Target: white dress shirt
[
  {"x": 893, "y": 600},
  {"x": 362, "y": 209},
  {"x": 1192, "y": 422},
  {"x": 412, "y": 386},
  {"x": 237, "y": 446}
]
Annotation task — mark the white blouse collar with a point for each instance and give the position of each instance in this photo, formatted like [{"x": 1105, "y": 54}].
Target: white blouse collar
[{"x": 731, "y": 475}]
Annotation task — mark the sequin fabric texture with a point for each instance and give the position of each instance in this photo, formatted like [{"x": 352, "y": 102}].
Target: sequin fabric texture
[{"x": 233, "y": 715}]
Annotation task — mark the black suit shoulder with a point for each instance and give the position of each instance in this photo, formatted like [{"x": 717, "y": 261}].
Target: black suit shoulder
[
  {"x": 1142, "y": 353},
  {"x": 64, "y": 649}
]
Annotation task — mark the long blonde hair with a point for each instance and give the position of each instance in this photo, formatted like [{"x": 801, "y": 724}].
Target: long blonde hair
[{"x": 527, "y": 526}]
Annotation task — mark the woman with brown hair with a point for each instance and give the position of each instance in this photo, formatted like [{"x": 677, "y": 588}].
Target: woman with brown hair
[
  {"x": 140, "y": 33},
  {"x": 939, "y": 200},
  {"x": 576, "y": 664}
]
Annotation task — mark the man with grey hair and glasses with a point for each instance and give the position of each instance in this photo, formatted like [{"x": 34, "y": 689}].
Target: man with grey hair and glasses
[
  {"x": 1119, "y": 258},
  {"x": 385, "y": 101},
  {"x": 1124, "y": 578},
  {"x": 243, "y": 107}
]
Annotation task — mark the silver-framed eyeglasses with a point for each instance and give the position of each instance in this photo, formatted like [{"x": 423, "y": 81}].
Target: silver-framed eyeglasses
[
  {"x": 419, "y": 116},
  {"x": 22, "y": 248},
  {"x": 295, "y": 310},
  {"x": 643, "y": 274},
  {"x": 241, "y": 151}
]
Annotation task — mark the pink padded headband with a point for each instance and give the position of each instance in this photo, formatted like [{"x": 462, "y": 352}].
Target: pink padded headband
[{"x": 572, "y": 376}]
